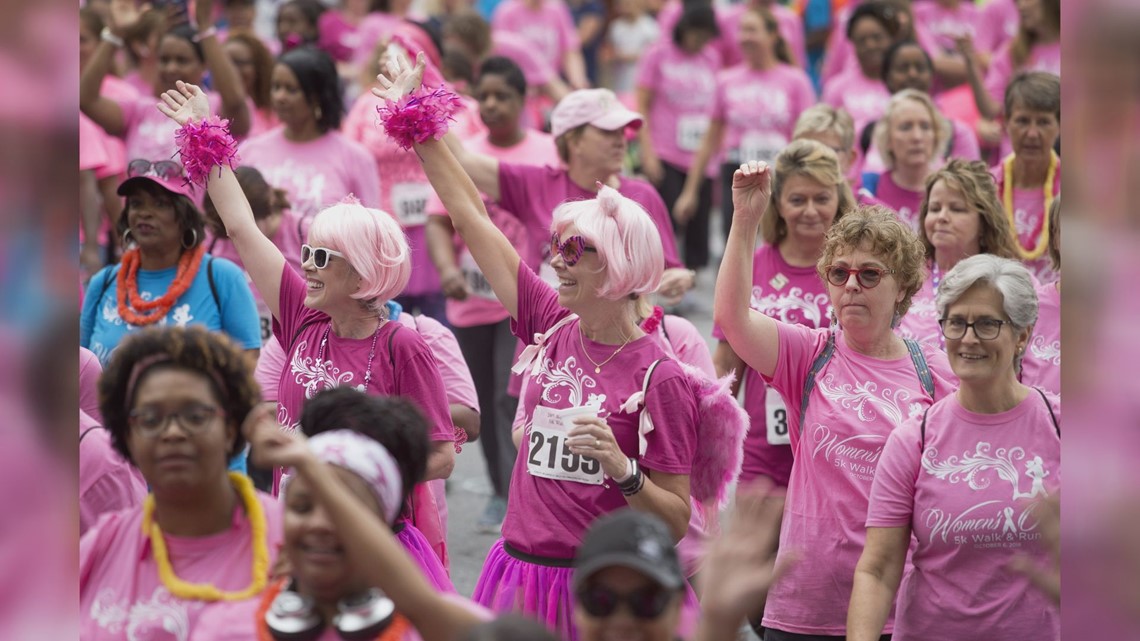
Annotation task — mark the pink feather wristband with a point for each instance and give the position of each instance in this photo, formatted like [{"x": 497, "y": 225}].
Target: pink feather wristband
[
  {"x": 416, "y": 118},
  {"x": 205, "y": 145}
]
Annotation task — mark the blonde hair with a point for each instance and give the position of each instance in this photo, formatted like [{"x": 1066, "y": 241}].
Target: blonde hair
[
  {"x": 783, "y": 52},
  {"x": 810, "y": 159},
  {"x": 889, "y": 240},
  {"x": 972, "y": 179},
  {"x": 882, "y": 135},
  {"x": 824, "y": 119},
  {"x": 1055, "y": 233}
]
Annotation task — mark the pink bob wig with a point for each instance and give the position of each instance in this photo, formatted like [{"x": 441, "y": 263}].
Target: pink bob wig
[
  {"x": 372, "y": 243},
  {"x": 626, "y": 239}
]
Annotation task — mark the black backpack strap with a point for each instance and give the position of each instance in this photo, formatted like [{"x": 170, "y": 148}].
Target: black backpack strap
[
  {"x": 91, "y": 429},
  {"x": 391, "y": 351},
  {"x": 213, "y": 287},
  {"x": 866, "y": 135},
  {"x": 816, "y": 367},
  {"x": 1052, "y": 415},
  {"x": 922, "y": 431},
  {"x": 920, "y": 366},
  {"x": 297, "y": 334}
]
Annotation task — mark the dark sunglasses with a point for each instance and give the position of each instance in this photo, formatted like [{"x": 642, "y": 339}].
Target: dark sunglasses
[
  {"x": 868, "y": 277},
  {"x": 320, "y": 255},
  {"x": 647, "y": 603},
  {"x": 163, "y": 169},
  {"x": 571, "y": 250}
]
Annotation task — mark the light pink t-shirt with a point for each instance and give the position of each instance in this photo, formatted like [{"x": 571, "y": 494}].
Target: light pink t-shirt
[
  {"x": 535, "y": 69},
  {"x": 547, "y": 517},
  {"x": 482, "y": 307},
  {"x": 864, "y": 98},
  {"x": 119, "y": 90},
  {"x": 790, "y": 25},
  {"x": 683, "y": 87},
  {"x": 93, "y": 154},
  {"x": 856, "y": 403},
  {"x": 759, "y": 109},
  {"x": 549, "y": 28},
  {"x": 315, "y": 174},
  {"x": 150, "y": 134},
  {"x": 906, "y": 203},
  {"x": 373, "y": 28},
  {"x": 89, "y": 372},
  {"x": 121, "y": 597},
  {"x": 107, "y": 483},
  {"x": 1041, "y": 366},
  {"x": 790, "y": 295},
  {"x": 970, "y": 496},
  {"x": 1028, "y": 218},
  {"x": 998, "y": 25},
  {"x": 841, "y": 53},
  {"x": 944, "y": 25},
  {"x": 1045, "y": 57},
  {"x": 921, "y": 320}
]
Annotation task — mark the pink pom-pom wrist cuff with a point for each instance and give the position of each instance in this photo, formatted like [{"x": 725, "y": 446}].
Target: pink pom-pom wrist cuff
[
  {"x": 205, "y": 145},
  {"x": 416, "y": 118}
]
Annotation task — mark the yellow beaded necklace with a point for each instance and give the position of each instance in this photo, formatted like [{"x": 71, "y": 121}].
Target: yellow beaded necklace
[
  {"x": 1042, "y": 244},
  {"x": 207, "y": 592}
]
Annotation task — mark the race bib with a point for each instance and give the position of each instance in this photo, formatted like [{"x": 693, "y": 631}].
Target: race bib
[
  {"x": 691, "y": 131},
  {"x": 476, "y": 282},
  {"x": 409, "y": 202},
  {"x": 550, "y": 456},
  {"x": 776, "y": 414},
  {"x": 758, "y": 145},
  {"x": 266, "y": 320}
]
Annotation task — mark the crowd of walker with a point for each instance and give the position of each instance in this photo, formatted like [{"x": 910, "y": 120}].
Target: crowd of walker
[{"x": 328, "y": 245}]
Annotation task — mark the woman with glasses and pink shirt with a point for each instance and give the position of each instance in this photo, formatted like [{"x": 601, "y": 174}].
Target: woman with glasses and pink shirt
[{"x": 847, "y": 387}]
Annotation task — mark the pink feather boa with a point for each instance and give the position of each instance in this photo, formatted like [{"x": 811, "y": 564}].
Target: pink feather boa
[
  {"x": 205, "y": 145},
  {"x": 720, "y": 435},
  {"x": 416, "y": 118}
]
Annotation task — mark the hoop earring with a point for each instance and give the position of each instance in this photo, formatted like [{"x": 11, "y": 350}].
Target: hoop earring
[
  {"x": 127, "y": 240},
  {"x": 192, "y": 242}
]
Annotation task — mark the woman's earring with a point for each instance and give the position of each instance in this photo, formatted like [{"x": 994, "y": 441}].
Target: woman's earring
[
  {"x": 127, "y": 240},
  {"x": 317, "y": 112},
  {"x": 193, "y": 242},
  {"x": 896, "y": 319}
]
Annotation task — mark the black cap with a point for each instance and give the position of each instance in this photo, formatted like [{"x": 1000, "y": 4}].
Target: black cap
[{"x": 632, "y": 539}]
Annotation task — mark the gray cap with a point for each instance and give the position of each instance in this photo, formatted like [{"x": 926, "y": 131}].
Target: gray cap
[{"x": 632, "y": 539}]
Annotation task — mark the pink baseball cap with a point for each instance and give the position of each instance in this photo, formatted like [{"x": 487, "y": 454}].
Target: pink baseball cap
[
  {"x": 598, "y": 107},
  {"x": 167, "y": 174}
]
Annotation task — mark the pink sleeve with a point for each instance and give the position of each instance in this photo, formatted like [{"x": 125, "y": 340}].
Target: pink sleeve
[
  {"x": 516, "y": 183},
  {"x": 671, "y": 445},
  {"x": 798, "y": 348},
  {"x": 92, "y": 149},
  {"x": 419, "y": 380},
  {"x": 452, "y": 367},
  {"x": 688, "y": 344},
  {"x": 538, "y": 308},
  {"x": 291, "y": 307},
  {"x": 89, "y": 373},
  {"x": 95, "y": 542},
  {"x": 270, "y": 364},
  {"x": 648, "y": 67},
  {"x": 892, "y": 492}
]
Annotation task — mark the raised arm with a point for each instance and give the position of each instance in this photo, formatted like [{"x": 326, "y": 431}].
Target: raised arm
[
  {"x": 496, "y": 257},
  {"x": 753, "y": 336},
  {"x": 263, "y": 260},
  {"x": 103, "y": 111},
  {"x": 481, "y": 168},
  {"x": 975, "y": 75},
  {"x": 877, "y": 578},
  {"x": 227, "y": 80}
]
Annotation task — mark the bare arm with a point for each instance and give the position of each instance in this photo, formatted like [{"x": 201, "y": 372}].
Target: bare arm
[
  {"x": 441, "y": 460},
  {"x": 574, "y": 66},
  {"x": 466, "y": 419},
  {"x": 481, "y": 168},
  {"x": 877, "y": 579},
  {"x": 441, "y": 250},
  {"x": 975, "y": 75},
  {"x": 686, "y": 205},
  {"x": 753, "y": 336},
  {"x": 725, "y": 360},
  {"x": 102, "y": 111},
  {"x": 650, "y": 162},
  {"x": 950, "y": 69},
  {"x": 227, "y": 80}
]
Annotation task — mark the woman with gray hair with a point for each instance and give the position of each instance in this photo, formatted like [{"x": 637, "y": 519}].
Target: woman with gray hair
[{"x": 967, "y": 478}]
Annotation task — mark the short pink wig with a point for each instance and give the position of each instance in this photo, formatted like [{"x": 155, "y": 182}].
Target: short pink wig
[
  {"x": 627, "y": 241},
  {"x": 372, "y": 243}
]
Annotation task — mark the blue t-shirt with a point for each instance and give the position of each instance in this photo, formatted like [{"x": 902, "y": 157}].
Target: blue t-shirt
[{"x": 234, "y": 312}]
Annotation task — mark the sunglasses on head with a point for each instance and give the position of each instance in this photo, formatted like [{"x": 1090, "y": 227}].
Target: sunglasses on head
[
  {"x": 868, "y": 277},
  {"x": 163, "y": 169},
  {"x": 571, "y": 250},
  {"x": 320, "y": 255},
  {"x": 646, "y": 603}
]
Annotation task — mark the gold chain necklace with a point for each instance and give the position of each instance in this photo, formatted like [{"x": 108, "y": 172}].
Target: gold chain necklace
[{"x": 597, "y": 365}]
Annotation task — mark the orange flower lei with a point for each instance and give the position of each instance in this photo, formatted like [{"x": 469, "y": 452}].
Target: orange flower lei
[
  {"x": 128, "y": 287},
  {"x": 394, "y": 632}
]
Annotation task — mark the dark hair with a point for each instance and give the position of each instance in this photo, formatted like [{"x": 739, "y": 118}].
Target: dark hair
[
  {"x": 893, "y": 52},
  {"x": 1036, "y": 91},
  {"x": 881, "y": 12},
  {"x": 471, "y": 29},
  {"x": 392, "y": 421},
  {"x": 263, "y": 199},
  {"x": 213, "y": 355},
  {"x": 457, "y": 65},
  {"x": 316, "y": 74},
  {"x": 187, "y": 33},
  {"x": 510, "y": 627},
  {"x": 511, "y": 73},
  {"x": 186, "y": 214},
  {"x": 311, "y": 9},
  {"x": 91, "y": 19},
  {"x": 262, "y": 63},
  {"x": 695, "y": 17}
]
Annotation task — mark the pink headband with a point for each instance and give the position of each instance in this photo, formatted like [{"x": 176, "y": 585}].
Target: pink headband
[{"x": 367, "y": 459}]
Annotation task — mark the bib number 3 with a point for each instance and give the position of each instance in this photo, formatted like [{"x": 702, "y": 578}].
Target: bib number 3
[
  {"x": 550, "y": 457},
  {"x": 776, "y": 413}
]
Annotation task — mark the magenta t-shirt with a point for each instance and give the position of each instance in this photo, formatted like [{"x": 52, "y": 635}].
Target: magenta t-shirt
[
  {"x": 906, "y": 203},
  {"x": 549, "y": 29},
  {"x": 856, "y": 403},
  {"x": 969, "y": 497},
  {"x": 864, "y": 98},
  {"x": 1041, "y": 365},
  {"x": 1028, "y": 219},
  {"x": 683, "y": 87},
  {"x": 547, "y": 517},
  {"x": 790, "y": 295},
  {"x": 408, "y": 369},
  {"x": 121, "y": 597},
  {"x": 759, "y": 109},
  {"x": 533, "y": 193},
  {"x": 945, "y": 25},
  {"x": 315, "y": 174}
]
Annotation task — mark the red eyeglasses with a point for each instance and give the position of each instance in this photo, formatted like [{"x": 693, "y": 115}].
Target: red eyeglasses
[
  {"x": 868, "y": 277},
  {"x": 571, "y": 250}
]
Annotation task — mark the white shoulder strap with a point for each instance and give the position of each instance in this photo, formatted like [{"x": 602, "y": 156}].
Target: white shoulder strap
[
  {"x": 635, "y": 403},
  {"x": 531, "y": 356}
]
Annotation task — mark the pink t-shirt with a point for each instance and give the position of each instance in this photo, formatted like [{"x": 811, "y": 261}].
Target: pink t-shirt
[
  {"x": 121, "y": 597},
  {"x": 841, "y": 53},
  {"x": 116, "y": 89},
  {"x": 150, "y": 134},
  {"x": 921, "y": 320},
  {"x": 1028, "y": 219},
  {"x": 864, "y": 98},
  {"x": 93, "y": 154},
  {"x": 482, "y": 307},
  {"x": 684, "y": 87},
  {"x": 726, "y": 21},
  {"x": 534, "y": 192},
  {"x": 906, "y": 203},
  {"x": 373, "y": 28},
  {"x": 107, "y": 483},
  {"x": 535, "y": 69},
  {"x": 790, "y": 295},
  {"x": 969, "y": 496},
  {"x": 998, "y": 25},
  {"x": 856, "y": 403},
  {"x": 549, "y": 28},
  {"x": 260, "y": 120},
  {"x": 547, "y": 517},
  {"x": 1044, "y": 57},
  {"x": 337, "y": 36},
  {"x": 791, "y": 27},
  {"x": 759, "y": 109},
  {"x": 1041, "y": 366},
  {"x": 315, "y": 174},
  {"x": 945, "y": 25},
  {"x": 89, "y": 372}
]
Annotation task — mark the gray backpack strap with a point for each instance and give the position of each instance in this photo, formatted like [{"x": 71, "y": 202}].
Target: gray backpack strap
[
  {"x": 816, "y": 367},
  {"x": 920, "y": 366}
]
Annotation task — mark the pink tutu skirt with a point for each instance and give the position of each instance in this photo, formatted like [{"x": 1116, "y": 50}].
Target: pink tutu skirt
[
  {"x": 508, "y": 584},
  {"x": 417, "y": 546}
]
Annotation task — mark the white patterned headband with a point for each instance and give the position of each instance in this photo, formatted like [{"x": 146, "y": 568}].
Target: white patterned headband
[{"x": 367, "y": 459}]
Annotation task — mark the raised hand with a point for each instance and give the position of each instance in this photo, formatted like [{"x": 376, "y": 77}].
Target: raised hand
[
  {"x": 399, "y": 79},
  {"x": 185, "y": 104},
  {"x": 751, "y": 189},
  {"x": 203, "y": 14},
  {"x": 125, "y": 14}
]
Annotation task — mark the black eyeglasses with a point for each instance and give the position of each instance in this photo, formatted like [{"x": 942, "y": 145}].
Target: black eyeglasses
[
  {"x": 986, "y": 329},
  {"x": 164, "y": 169},
  {"x": 868, "y": 277},
  {"x": 321, "y": 255},
  {"x": 647, "y": 603},
  {"x": 151, "y": 421}
]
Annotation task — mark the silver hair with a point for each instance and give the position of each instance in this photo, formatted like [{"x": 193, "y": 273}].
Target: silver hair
[{"x": 1009, "y": 277}]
